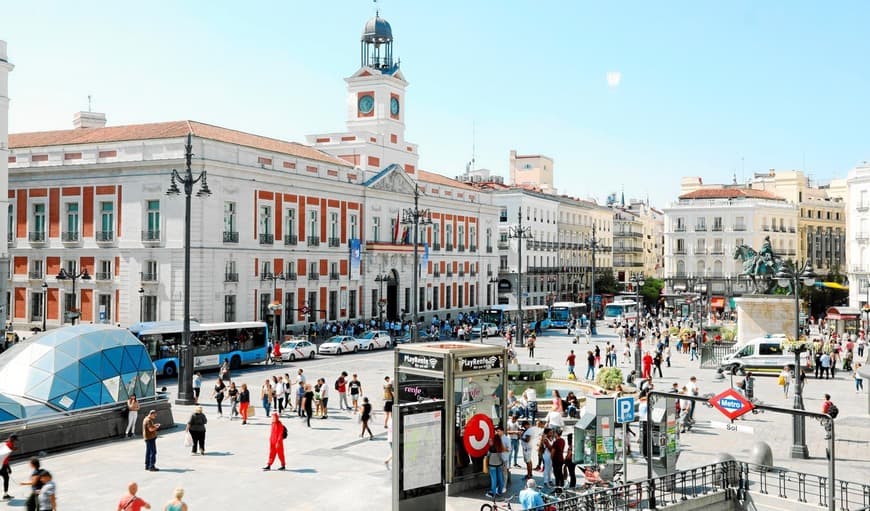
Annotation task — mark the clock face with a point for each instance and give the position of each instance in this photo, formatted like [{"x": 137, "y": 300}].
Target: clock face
[
  {"x": 394, "y": 106},
  {"x": 366, "y": 104}
]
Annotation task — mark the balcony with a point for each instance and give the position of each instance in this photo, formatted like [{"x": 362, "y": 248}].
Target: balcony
[
  {"x": 104, "y": 237},
  {"x": 10, "y": 238},
  {"x": 333, "y": 275},
  {"x": 70, "y": 237},
  {"x": 102, "y": 276},
  {"x": 717, "y": 251},
  {"x": 231, "y": 237},
  {"x": 473, "y": 273},
  {"x": 231, "y": 277},
  {"x": 334, "y": 242},
  {"x": 149, "y": 236},
  {"x": 765, "y": 228},
  {"x": 314, "y": 241},
  {"x": 472, "y": 248},
  {"x": 503, "y": 244},
  {"x": 460, "y": 248},
  {"x": 449, "y": 247},
  {"x": 291, "y": 240},
  {"x": 266, "y": 275},
  {"x": 267, "y": 239},
  {"x": 35, "y": 275},
  {"x": 700, "y": 251},
  {"x": 449, "y": 272},
  {"x": 680, "y": 228},
  {"x": 36, "y": 237},
  {"x": 862, "y": 208},
  {"x": 436, "y": 246},
  {"x": 717, "y": 228},
  {"x": 290, "y": 276},
  {"x": 792, "y": 230},
  {"x": 436, "y": 272},
  {"x": 739, "y": 228},
  {"x": 680, "y": 251},
  {"x": 862, "y": 237},
  {"x": 147, "y": 277},
  {"x": 313, "y": 276},
  {"x": 461, "y": 272},
  {"x": 700, "y": 228},
  {"x": 489, "y": 249}
]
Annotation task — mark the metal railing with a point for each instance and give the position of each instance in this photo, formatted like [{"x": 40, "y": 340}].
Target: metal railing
[
  {"x": 151, "y": 236},
  {"x": 147, "y": 277},
  {"x": 231, "y": 237},
  {"x": 712, "y": 353},
  {"x": 231, "y": 277},
  {"x": 69, "y": 237},
  {"x": 15, "y": 425},
  {"x": 103, "y": 276},
  {"x": 36, "y": 236},
  {"x": 267, "y": 239},
  {"x": 35, "y": 275},
  {"x": 313, "y": 241},
  {"x": 104, "y": 236},
  {"x": 334, "y": 242},
  {"x": 291, "y": 239},
  {"x": 805, "y": 488}
]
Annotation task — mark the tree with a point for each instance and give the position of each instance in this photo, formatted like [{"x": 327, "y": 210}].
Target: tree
[
  {"x": 606, "y": 284},
  {"x": 652, "y": 290}
]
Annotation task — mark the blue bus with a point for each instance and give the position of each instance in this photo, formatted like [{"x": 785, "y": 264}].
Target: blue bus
[
  {"x": 561, "y": 313},
  {"x": 503, "y": 315},
  {"x": 213, "y": 343}
]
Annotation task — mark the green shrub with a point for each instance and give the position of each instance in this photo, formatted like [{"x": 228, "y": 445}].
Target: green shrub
[{"x": 609, "y": 377}]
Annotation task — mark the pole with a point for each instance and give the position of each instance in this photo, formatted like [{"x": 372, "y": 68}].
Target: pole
[
  {"x": 799, "y": 446},
  {"x": 625, "y": 451},
  {"x": 651, "y": 485},
  {"x": 592, "y": 331},
  {"x": 415, "y": 291},
  {"x": 185, "y": 362},
  {"x": 637, "y": 347},
  {"x": 44, "y": 304},
  {"x": 519, "y": 318},
  {"x": 75, "y": 300},
  {"x": 832, "y": 483}
]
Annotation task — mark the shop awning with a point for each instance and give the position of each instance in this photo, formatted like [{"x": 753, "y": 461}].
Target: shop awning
[
  {"x": 832, "y": 285},
  {"x": 717, "y": 302},
  {"x": 843, "y": 313}
]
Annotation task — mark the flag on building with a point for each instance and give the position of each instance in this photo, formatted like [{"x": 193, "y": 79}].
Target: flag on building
[
  {"x": 355, "y": 255},
  {"x": 424, "y": 262}
]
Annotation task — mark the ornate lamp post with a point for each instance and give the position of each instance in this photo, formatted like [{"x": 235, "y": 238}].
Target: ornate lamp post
[
  {"x": 141, "y": 303},
  {"x": 44, "y": 303},
  {"x": 275, "y": 307},
  {"x": 637, "y": 281},
  {"x": 73, "y": 276},
  {"x": 382, "y": 303},
  {"x": 187, "y": 179},
  {"x": 520, "y": 233},
  {"x": 416, "y": 217},
  {"x": 787, "y": 276}
]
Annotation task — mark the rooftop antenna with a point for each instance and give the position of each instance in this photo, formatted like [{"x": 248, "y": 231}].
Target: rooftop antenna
[
  {"x": 470, "y": 165},
  {"x": 89, "y": 103},
  {"x": 742, "y": 169}
]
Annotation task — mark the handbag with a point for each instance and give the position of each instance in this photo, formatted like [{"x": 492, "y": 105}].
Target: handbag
[
  {"x": 486, "y": 464},
  {"x": 188, "y": 439},
  {"x": 781, "y": 380}
]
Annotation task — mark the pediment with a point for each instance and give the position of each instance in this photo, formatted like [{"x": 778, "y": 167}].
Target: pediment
[{"x": 392, "y": 179}]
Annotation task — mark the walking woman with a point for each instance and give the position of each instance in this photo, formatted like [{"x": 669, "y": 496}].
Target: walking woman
[
  {"x": 176, "y": 504},
  {"x": 132, "y": 414},
  {"x": 244, "y": 402},
  {"x": 495, "y": 462},
  {"x": 784, "y": 380},
  {"x": 308, "y": 403},
  {"x": 233, "y": 394},
  {"x": 196, "y": 428},
  {"x": 267, "y": 394},
  {"x": 218, "y": 395},
  {"x": 365, "y": 417}
]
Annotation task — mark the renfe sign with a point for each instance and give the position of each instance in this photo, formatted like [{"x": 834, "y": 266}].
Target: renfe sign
[{"x": 731, "y": 404}]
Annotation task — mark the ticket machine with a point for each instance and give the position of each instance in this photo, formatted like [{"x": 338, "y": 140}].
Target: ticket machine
[{"x": 596, "y": 441}]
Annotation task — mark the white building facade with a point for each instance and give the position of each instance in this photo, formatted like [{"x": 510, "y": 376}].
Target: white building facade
[
  {"x": 858, "y": 235},
  {"x": 5, "y": 69}
]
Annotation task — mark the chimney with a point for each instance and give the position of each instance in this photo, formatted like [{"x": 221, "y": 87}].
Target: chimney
[{"x": 89, "y": 120}]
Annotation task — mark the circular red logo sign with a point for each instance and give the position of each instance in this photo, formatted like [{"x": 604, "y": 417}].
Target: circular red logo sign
[{"x": 479, "y": 431}]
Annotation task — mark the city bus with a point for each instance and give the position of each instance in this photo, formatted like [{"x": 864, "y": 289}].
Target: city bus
[
  {"x": 621, "y": 310},
  {"x": 561, "y": 313},
  {"x": 213, "y": 343},
  {"x": 503, "y": 315}
]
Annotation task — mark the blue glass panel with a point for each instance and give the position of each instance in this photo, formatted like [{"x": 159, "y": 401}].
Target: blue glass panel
[
  {"x": 34, "y": 378},
  {"x": 93, "y": 362},
  {"x": 128, "y": 363},
  {"x": 45, "y": 362},
  {"x": 86, "y": 376},
  {"x": 113, "y": 356},
  {"x": 69, "y": 374},
  {"x": 70, "y": 347},
  {"x": 40, "y": 391},
  {"x": 93, "y": 392},
  {"x": 60, "y": 387},
  {"x": 83, "y": 400}
]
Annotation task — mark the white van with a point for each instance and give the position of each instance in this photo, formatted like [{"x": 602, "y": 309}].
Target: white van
[{"x": 762, "y": 355}]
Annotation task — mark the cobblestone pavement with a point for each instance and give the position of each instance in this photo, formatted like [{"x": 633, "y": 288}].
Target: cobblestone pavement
[{"x": 330, "y": 467}]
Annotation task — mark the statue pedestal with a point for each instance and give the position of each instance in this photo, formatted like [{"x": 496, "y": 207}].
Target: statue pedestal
[{"x": 761, "y": 315}]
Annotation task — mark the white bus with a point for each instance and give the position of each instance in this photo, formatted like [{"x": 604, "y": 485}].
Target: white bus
[{"x": 619, "y": 311}]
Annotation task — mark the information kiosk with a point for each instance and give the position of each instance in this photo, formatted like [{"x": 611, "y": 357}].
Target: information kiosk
[{"x": 471, "y": 381}]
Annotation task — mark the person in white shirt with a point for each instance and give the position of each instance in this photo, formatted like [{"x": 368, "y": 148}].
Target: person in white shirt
[
  {"x": 506, "y": 460},
  {"x": 555, "y": 420},
  {"x": 530, "y": 396}
]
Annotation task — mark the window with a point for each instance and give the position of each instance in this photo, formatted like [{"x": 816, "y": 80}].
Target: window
[
  {"x": 266, "y": 270},
  {"x": 291, "y": 270},
  {"x": 461, "y": 241},
  {"x": 69, "y": 306},
  {"x": 374, "y": 311},
  {"x": 230, "y": 217},
  {"x": 503, "y": 263},
  {"x": 435, "y": 302},
  {"x": 681, "y": 246},
  {"x": 351, "y": 304},
  {"x": 289, "y": 303},
  {"x": 313, "y": 268},
  {"x": 312, "y": 304},
  {"x": 290, "y": 221},
  {"x": 394, "y": 230},
  {"x": 448, "y": 231},
  {"x": 333, "y": 271},
  {"x": 352, "y": 224},
  {"x": 104, "y": 308},
  {"x": 333, "y": 225},
  {"x": 36, "y": 301},
  {"x": 229, "y": 308},
  {"x": 230, "y": 272},
  {"x": 717, "y": 223},
  {"x": 488, "y": 239},
  {"x": 769, "y": 349},
  {"x": 265, "y": 222},
  {"x": 314, "y": 224},
  {"x": 72, "y": 220},
  {"x": 503, "y": 215},
  {"x": 149, "y": 271},
  {"x": 105, "y": 270},
  {"x": 376, "y": 229},
  {"x": 10, "y": 223},
  {"x": 436, "y": 235},
  {"x": 107, "y": 221},
  {"x": 149, "y": 308},
  {"x": 333, "y": 305},
  {"x": 265, "y": 300},
  {"x": 39, "y": 219},
  {"x": 36, "y": 269}
]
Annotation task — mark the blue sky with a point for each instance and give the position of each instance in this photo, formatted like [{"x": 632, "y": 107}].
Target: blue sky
[{"x": 707, "y": 89}]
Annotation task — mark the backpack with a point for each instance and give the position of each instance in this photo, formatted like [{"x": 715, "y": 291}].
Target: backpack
[
  {"x": 833, "y": 411},
  {"x": 284, "y": 433},
  {"x": 336, "y": 384}
]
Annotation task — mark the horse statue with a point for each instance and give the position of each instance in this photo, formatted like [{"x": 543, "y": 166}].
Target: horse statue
[{"x": 760, "y": 270}]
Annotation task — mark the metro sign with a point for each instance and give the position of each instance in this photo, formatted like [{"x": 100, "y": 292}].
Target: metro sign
[
  {"x": 479, "y": 432},
  {"x": 731, "y": 404}
]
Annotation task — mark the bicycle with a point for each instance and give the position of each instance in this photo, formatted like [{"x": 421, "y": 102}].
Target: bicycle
[{"x": 496, "y": 504}]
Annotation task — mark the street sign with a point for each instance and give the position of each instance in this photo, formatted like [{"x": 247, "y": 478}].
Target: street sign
[
  {"x": 731, "y": 404},
  {"x": 479, "y": 431},
  {"x": 728, "y": 426},
  {"x": 624, "y": 410}
]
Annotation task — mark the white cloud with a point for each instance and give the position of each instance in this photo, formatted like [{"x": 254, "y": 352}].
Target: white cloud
[{"x": 613, "y": 78}]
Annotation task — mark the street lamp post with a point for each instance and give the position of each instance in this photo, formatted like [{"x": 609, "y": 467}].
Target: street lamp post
[
  {"x": 416, "y": 217},
  {"x": 141, "y": 304},
  {"x": 73, "y": 276},
  {"x": 790, "y": 276},
  {"x": 187, "y": 179},
  {"x": 275, "y": 306},
  {"x": 593, "y": 244},
  {"x": 520, "y": 233},
  {"x": 637, "y": 281},
  {"x": 380, "y": 279},
  {"x": 44, "y": 303}
]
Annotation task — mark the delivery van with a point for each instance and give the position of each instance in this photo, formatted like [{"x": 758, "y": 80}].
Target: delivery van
[{"x": 762, "y": 355}]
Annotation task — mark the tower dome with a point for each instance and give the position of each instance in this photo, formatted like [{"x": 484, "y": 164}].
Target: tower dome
[
  {"x": 377, "y": 31},
  {"x": 376, "y": 46}
]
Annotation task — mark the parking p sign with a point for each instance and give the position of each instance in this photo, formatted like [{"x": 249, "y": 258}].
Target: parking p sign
[{"x": 624, "y": 410}]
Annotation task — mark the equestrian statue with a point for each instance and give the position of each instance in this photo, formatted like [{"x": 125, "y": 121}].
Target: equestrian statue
[{"x": 761, "y": 267}]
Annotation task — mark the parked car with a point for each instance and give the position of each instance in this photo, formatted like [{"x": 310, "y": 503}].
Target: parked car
[
  {"x": 375, "y": 339},
  {"x": 763, "y": 355},
  {"x": 489, "y": 329},
  {"x": 292, "y": 350},
  {"x": 338, "y": 344}
]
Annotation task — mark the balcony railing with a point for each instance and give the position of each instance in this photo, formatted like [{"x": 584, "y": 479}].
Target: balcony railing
[
  {"x": 792, "y": 229},
  {"x": 147, "y": 277},
  {"x": 436, "y": 246},
  {"x": 333, "y": 275},
  {"x": 313, "y": 276},
  {"x": 104, "y": 236},
  {"x": 35, "y": 275},
  {"x": 231, "y": 237},
  {"x": 150, "y": 236},
  {"x": 266, "y": 275},
  {"x": 503, "y": 244},
  {"x": 449, "y": 272},
  {"x": 103, "y": 276},
  {"x": 862, "y": 208},
  {"x": 489, "y": 249},
  {"x": 700, "y": 251},
  {"x": 680, "y": 251},
  {"x": 290, "y": 276},
  {"x": 717, "y": 251},
  {"x": 436, "y": 272},
  {"x": 70, "y": 237},
  {"x": 460, "y": 248},
  {"x": 680, "y": 228},
  {"x": 334, "y": 242},
  {"x": 461, "y": 273},
  {"x": 231, "y": 277},
  {"x": 36, "y": 237},
  {"x": 291, "y": 240},
  {"x": 739, "y": 228},
  {"x": 267, "y": 239},
  {"x": 862, "y": 237},
  {"x": 717, "y": 228},
  {"x": 450, "y": 247},
  {"x": 472, "y": 248},
  {"x": 314, "y": 241},
  {"x": 700, "y": 228},
  {"x": 765, "y": 228}
]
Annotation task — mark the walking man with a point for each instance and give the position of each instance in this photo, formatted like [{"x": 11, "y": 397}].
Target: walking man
[
  {"x": 149, "y": 432},
  {"x": 388, "y": 400},
  {"x": 341, "y": 388},
  {"x": 571, "y": 361},
  {"x": 590, "y": 365},
  {"x": 355, "y": 392},
  {"x": 10, "y": 446},
  {"x": 131, "y": 501}
]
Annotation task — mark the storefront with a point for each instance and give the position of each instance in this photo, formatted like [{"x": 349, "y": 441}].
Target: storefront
[
  {"x": 471, "y": 379},
  {"x": 843, "y": 320}
]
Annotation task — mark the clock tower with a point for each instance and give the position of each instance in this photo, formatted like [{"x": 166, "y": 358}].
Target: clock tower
[{"x": 375, "y": 108}]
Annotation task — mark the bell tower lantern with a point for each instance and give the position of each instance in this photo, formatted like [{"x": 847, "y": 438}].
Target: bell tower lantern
[{"x": 376, "y": 46}]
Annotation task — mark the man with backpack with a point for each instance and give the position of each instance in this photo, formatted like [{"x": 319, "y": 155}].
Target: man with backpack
[
  {"x": 829, "y": 408},
  {"x": 341, "y": 389}
]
